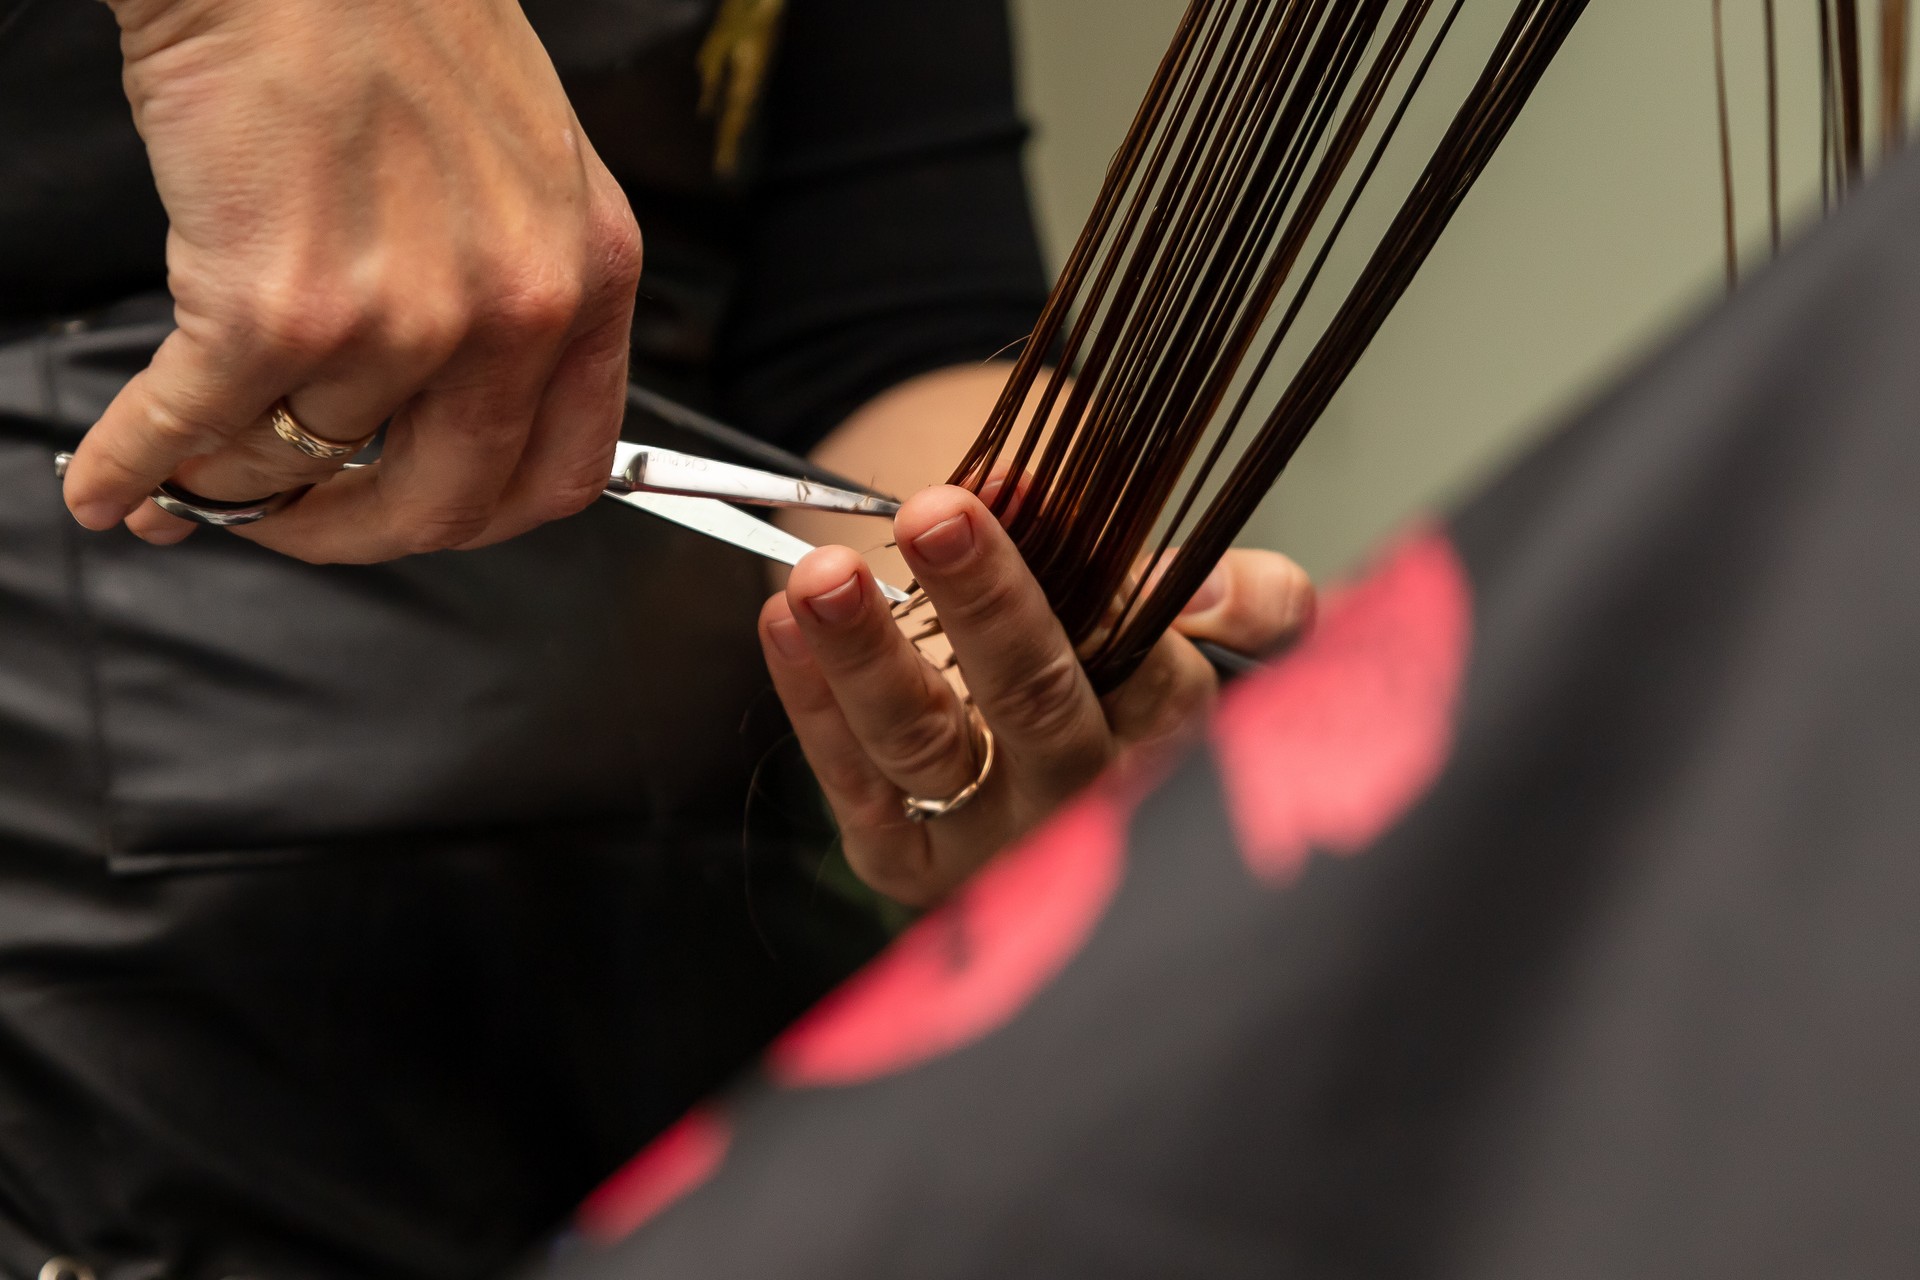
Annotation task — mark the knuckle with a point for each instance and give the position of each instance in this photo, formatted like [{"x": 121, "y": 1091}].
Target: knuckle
[
  {"x": 499, "y": 438},
  {"x": 537, "y": 304},
  {"x": 301, "y": 549},
  {"x": 442, "y": 530},
  {"x": 1168, "y": 698},
  {"x": 1048, "y": 702},
  {"x": 984, "y": 603},
  {"x": 568, "y": 498},
  {"x": 617, "y": 244},
  {"x": 301, "y": 321},
  {"x": 423, "y": 333},
  {"x": 173, "y": 431},
  {"x": 862, "y": 648},
  {"x": 177, "y": 432},
  {"x": 930, "y": 741}
]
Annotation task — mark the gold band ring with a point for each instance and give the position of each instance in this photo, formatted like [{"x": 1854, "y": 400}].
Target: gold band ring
[
  {"x": 919, "y": 810},
  {"x": 288, "y": 428}
]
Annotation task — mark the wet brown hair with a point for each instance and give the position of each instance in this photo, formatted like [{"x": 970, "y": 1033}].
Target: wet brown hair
[
  {"x": 1844, "y": 108},
  {"x": 1178, "y": 327}
]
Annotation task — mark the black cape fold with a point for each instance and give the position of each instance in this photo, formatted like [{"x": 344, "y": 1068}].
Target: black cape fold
[{"x": 1554, "y": 911}]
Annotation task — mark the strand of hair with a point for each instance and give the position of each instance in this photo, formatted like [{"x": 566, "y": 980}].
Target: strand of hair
[{"x": 1729, "y": 224}]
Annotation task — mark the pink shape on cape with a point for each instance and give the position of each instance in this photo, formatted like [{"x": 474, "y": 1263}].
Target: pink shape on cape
[
  {"x": 671, "y": 1166},
  {"x": 1330, "y": 748},
  {"x": 968, "y": 968}
]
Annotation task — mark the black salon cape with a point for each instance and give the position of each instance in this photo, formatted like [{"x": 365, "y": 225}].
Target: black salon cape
[{"x": 1554, "y": 911}]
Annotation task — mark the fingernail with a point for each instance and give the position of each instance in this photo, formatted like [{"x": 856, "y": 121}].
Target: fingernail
[
  {"x": 947, "y": 543},
  {"x": 99, "y": 516},
  {"x": 839, "y": 606},
  {"x": 785, "y": 633},
  {"x": 995, "y": 489},
  {"x": 1210, "y": 594}
]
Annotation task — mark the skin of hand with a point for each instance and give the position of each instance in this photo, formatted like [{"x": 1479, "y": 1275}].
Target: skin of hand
[
  {"x": 900, "y": 442},
  {"x": 379, "y": 209},
  {"x": 877, "y": 721}
]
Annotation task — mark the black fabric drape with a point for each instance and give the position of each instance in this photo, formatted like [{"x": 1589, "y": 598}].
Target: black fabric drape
[{"x": 1552, "y": 911}]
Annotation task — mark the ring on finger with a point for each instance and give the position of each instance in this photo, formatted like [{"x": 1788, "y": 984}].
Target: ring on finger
[
  {"x": 288, "y": 428},
  {"x": 188, "y": 505},
  {"x": 919, "y": 809}
]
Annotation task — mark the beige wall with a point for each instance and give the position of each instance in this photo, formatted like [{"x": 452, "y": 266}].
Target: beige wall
[{"x": 1595, "y": 233}]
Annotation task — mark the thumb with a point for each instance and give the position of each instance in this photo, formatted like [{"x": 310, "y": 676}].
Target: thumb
[
  {"x": 178, "y": 407},
  {"x": 1255, "y": 602}
]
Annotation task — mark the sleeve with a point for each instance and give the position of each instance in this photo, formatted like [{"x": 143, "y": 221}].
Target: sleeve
[{"x": 888, "y": 232}]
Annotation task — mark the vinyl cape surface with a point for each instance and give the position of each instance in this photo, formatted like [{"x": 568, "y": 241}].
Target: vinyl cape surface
[{"x": 1553, "y": 911}]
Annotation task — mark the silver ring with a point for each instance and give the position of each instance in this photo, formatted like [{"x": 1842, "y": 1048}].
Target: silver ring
[
  {"x": 188, "y": 505},
  {"x": 920, "y": 810},
  {"x": 288, "y": 428}
]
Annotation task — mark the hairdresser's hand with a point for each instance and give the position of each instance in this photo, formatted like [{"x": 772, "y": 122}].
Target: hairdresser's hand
[
  {"x": 377, "y": 207},
  {"x": 878, "y": 722}
]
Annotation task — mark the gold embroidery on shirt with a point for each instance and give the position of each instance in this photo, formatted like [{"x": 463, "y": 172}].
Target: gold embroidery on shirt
[{"x": 733, "y": 69}]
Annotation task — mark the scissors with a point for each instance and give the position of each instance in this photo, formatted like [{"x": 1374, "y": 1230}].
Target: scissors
[
  {"x": 693, "y": 492},
  {"x": 683, "y": 488}
]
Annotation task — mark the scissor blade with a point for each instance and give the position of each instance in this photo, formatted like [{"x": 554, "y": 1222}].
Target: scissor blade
[
  {"x": 718, "y": 520},
  {"x": 669, "y": 471}
]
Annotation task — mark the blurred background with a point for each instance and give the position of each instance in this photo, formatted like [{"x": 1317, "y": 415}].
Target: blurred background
[{"x": 1595, "y": 234}]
